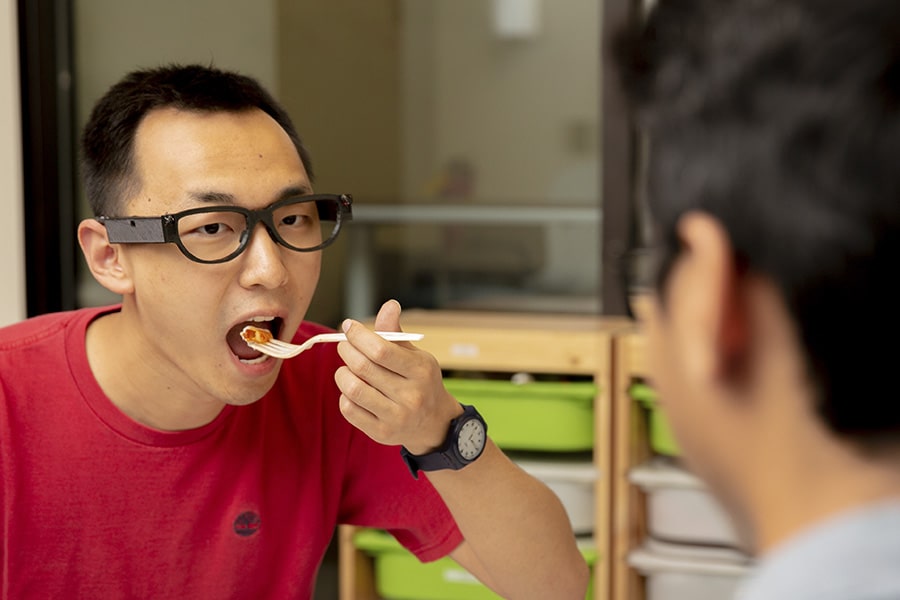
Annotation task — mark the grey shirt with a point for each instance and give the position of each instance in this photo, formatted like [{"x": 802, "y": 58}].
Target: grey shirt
[{"x": 855, "y": 555}]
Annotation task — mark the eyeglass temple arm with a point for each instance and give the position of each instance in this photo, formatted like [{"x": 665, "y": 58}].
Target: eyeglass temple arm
[{"x": 141, "y": 230}]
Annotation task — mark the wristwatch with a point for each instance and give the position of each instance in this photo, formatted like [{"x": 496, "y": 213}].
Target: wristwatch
[{"x": 465, "y": 442}]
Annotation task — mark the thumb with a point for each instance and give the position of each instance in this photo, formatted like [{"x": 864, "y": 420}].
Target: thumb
[{"x": 388, "y": 317}]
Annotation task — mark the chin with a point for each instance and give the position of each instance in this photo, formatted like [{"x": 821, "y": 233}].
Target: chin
[
  {"x": 246, "y": 395},
  {"x": 242, "y": 401}
]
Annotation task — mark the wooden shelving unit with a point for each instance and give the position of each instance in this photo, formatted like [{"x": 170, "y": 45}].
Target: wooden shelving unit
[
  {"x": 509, "y": 342},
  {"x": 630, "y": 448}
]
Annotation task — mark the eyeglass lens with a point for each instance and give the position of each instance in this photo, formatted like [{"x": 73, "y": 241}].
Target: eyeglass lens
[{"x": 211, "y": 236}]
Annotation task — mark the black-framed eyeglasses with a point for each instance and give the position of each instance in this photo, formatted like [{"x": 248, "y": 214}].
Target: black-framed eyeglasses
[{"x": 217, "y": 234}]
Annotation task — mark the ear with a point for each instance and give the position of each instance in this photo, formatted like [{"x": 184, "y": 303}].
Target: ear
[
  {"x": 711, "y": 285},
  {"x": 103, "y": 258}
]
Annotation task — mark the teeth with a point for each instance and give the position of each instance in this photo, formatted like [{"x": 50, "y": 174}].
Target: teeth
[
  {"x": 254, "y": 361},
  {"x": 262, "y": 319}
]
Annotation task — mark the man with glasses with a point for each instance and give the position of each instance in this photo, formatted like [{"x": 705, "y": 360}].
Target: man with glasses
[
  {"x": 146, "y": 451},
  {"x": 774, "y": 137}
]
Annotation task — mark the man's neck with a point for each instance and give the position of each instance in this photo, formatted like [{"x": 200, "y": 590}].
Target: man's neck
[
  {"x": 816, "y": 482},
  {"x": 132, "y": 383}
]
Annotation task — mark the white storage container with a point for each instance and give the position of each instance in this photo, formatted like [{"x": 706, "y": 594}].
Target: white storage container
[
  {"x": 676, "y": 572},
  {"x": 572, "y": 481},
  {"x": 680, "y": 508}
]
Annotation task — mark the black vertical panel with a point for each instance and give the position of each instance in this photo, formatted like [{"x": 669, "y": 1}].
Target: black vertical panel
[
  {"x": 48, "y": 157},
  {"x": 619, "y": 160}
]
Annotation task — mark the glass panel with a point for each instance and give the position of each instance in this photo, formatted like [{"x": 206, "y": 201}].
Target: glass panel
[
  {"x": 499, "y": 115},
  {"x": 467, "y": 131},
  {"x": 506, "y": 119}
]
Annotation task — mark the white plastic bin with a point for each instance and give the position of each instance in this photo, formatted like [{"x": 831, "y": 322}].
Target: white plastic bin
[
  {"x": 680, "y": 508},
  {"x": 572, "y": 481},
  {"x": 698, "y": 574}
]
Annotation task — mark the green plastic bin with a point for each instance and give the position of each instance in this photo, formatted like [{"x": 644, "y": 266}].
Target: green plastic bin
[
  {"x": 400, "y": 576},
  {"x": 661, "y": 438},
  {"x": 540, "y": 415}
]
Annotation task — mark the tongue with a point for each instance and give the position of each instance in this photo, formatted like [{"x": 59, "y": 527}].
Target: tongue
[{"x": 237, "y": 344}]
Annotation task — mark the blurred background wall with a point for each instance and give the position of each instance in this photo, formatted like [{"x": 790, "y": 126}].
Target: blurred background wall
[{"x": 12, "y": 265}]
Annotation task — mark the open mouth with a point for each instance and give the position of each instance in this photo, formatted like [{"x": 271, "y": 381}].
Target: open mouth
[{"x": 240, "y": 348}]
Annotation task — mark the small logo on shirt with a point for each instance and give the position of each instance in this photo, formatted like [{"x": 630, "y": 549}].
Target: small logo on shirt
[{"x": 246, "y": 523}]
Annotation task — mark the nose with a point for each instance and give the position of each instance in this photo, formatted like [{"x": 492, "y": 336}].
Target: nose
[{"x": 262, "y": 262}]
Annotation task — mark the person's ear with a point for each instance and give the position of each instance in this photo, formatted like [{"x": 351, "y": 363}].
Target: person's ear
[
  {"x": 710, "y": 286},
  {"x": 103, "y": 258}
]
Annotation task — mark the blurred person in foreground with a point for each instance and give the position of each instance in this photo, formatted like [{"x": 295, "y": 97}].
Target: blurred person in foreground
[
  {"x": 147, "y": 452},
  {"x": 774, "y": 185}
]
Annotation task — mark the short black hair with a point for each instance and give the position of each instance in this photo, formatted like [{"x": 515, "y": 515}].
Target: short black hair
[
  {"x": 781, "y": 119},
  {"x": 107, "y": 145}
]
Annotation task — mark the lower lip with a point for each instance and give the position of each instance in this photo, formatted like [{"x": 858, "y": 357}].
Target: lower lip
[{"x": 256, "y": 369}]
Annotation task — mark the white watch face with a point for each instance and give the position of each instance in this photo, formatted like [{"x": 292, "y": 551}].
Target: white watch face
[{"x": 471, "y": 439}]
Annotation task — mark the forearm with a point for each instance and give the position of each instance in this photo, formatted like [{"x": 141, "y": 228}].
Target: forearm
[{"x": 516, "y": 528}]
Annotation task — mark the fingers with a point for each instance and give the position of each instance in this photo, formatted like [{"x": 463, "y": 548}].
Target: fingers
[
  {"x": 388, "y": 317},
  {"x": 386, "y": 420},
  {"x": 376, "y": 349},
  {"x": 401, "y": 375},
  {"x": 361, "y": 404},
  {"x": 372, "y": 363}
]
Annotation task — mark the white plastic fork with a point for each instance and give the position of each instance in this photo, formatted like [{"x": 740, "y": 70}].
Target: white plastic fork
[{"x": 278, "y": 349}]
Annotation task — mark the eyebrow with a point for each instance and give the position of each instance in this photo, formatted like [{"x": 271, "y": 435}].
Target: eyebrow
[{"x": 213, "y": 197}]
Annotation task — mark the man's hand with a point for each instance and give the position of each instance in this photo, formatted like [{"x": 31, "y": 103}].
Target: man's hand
[
  {"x": 393, "y": 391},
  {"x": 518, "y": 540}
]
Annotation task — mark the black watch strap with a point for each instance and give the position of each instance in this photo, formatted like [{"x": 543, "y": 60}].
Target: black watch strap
[
  {"x": 433, "y": 461},
  {"x": 446, "y": 456}
]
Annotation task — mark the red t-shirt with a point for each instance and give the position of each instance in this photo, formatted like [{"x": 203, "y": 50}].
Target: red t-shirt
[{"x": 95, "y": 505}]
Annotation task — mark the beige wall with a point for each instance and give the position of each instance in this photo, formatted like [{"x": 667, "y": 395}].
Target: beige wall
[
  {"x": 339, "y": 76},
  {"x": 523, "y": 111},
  {"x": 12, "y": 237},
  {"x": 113, "y": 37}
]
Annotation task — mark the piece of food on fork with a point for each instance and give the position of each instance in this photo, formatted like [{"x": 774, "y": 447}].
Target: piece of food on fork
[{"x": 256, "y": 335}]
